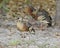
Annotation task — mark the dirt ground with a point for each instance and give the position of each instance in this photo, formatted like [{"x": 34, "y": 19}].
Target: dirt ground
[{"x": 11, "y": 37}]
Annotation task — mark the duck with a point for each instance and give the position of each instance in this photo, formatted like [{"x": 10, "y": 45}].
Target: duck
[
  {"x": 24, "y": 26},
  {"x": 21, "y": 25},
  {"x": 43, "y": 13}
]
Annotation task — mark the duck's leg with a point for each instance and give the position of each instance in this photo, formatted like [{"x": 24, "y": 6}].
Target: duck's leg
[{"x": 31, "y": 30}]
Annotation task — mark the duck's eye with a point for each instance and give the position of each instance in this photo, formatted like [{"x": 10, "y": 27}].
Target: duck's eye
[
  {"x": 18, "y": 18},
  {"x": 23, "y": 12}
]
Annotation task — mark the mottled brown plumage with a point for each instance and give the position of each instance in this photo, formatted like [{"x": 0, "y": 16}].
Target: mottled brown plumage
[
  {"x": 21, "y": 26},
  {"x": 24, "y": 26},
  {"x": 28, "y": 10}
]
